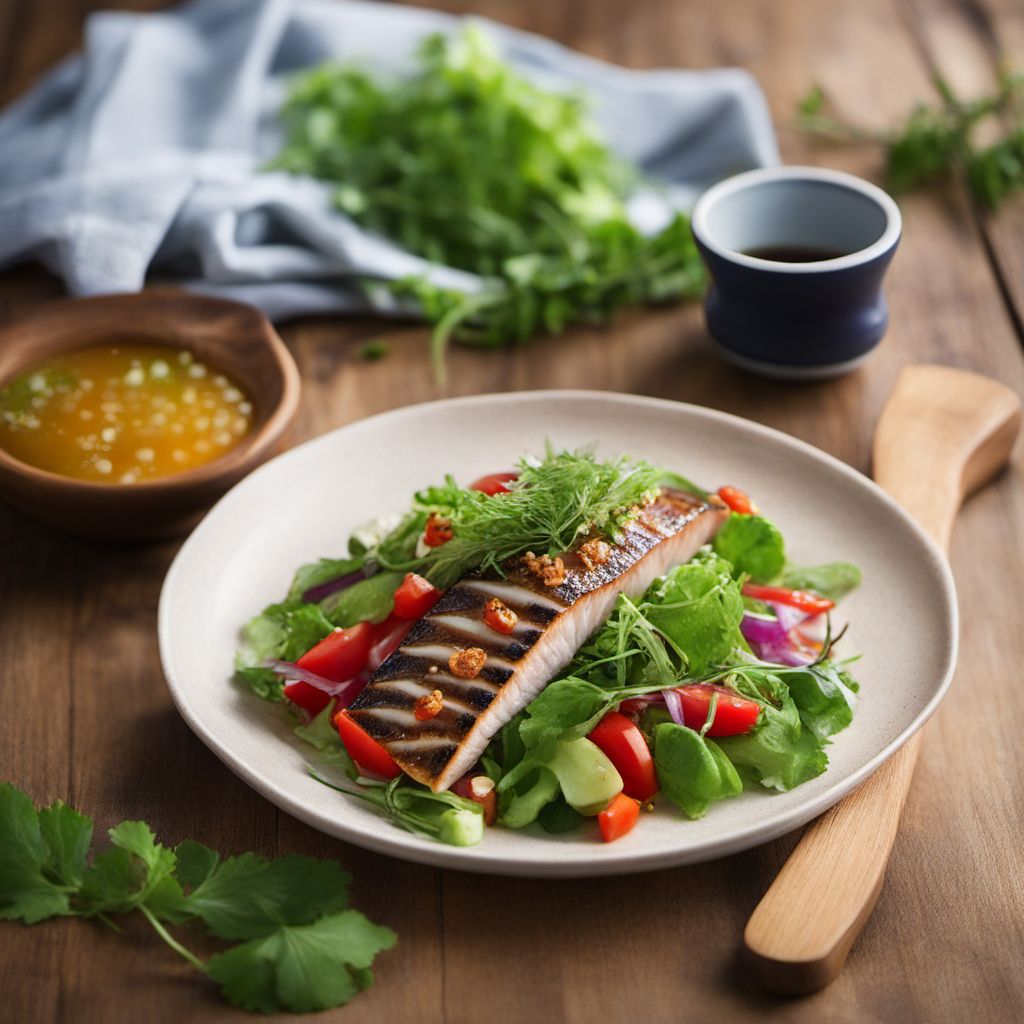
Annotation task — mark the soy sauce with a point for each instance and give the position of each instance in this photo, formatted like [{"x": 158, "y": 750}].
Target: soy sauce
[{"x": 793, "y": 253}]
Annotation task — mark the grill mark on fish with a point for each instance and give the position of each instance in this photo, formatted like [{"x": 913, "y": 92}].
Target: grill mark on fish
[
  {"x": 439, "y": 653},
  {"x": 404, "y": 693},
  {"x": 555, "y": 622}
]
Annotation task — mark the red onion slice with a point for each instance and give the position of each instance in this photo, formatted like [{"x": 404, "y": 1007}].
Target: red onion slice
[
  {"x": 674, "y": 703},
  {"x": 316, "y": 594},
  {"x": 345, "y": 691}
]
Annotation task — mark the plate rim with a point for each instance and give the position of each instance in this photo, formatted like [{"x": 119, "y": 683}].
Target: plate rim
[{"x": 473, "y": 859}]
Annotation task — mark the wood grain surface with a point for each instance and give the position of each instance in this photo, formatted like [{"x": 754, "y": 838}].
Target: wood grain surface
[{"x": 87, "y": 716}]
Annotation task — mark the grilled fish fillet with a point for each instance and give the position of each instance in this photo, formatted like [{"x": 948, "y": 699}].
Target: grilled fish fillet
[{"x": 553, "y": 623}]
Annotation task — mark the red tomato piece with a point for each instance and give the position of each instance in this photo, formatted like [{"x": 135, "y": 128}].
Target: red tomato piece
[
  {"x": 494, "y": 484},
  {"x": 737, "y": 500},
  {"x": 480, "y": 789},
  {"x": 802, "y": 599},
  {"x": 341, "y": 654},
  {"x": 624, "y": 745},
  {"x": 618, "y": 818},
  {"x": 438, "y": 531},
  {"x": 387, "y": 638},
  {"x": 415, "y": 597},
  {"x": 733, "y": 715},
  {"x": 634, "y": 706},
  {"x": 367, "y": 753},
  {"x": 307, "y": 697}
]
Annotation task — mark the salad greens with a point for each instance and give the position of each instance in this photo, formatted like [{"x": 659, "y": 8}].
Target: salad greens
[
  {"x": 712, "y": 629},
  {"x": 685, "y": 630},
  {"x": 556, "y": 499},
  {"x": 466, "y": 163},
  {"x": 298, "y": 945}
]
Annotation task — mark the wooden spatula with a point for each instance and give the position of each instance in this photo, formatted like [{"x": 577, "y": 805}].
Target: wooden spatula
[{"x": 943, "y": 434}]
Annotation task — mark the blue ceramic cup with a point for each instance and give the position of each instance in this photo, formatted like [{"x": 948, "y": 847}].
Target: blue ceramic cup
[{"x": 796, "y": 257}]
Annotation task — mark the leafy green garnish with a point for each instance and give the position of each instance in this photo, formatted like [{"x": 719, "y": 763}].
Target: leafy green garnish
[
  {"x": 301, "y": 948},
  {"x": 555, "y": 501},
  {"x": 374, "y": 350},
  {"x": 753, "y": 545},
  {"x": 322, "y": 571},
  {"x": 692, "y": 770},
  {"x": 369, "y": 600},
  {"x": 937, "y": 141},
  {"x": 283, "y": 631},
  {"x": 466, "y": 163},
  {"x": 442, "y": 816},
  {"x": 833, "y": 580}
]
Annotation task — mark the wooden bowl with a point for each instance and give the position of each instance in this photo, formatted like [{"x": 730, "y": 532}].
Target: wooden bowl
[{"x": 229, "y": 336}]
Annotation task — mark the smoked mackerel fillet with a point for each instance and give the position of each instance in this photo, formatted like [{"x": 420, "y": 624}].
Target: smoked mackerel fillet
[{"x": 553, "y": 623}]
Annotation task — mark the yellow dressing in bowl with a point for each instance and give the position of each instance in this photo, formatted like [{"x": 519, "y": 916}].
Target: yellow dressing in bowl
[{"x": 122, "y": 413}]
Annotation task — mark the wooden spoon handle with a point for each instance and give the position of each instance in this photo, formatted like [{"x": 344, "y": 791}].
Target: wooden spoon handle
[{"x": 943, "y": 434}]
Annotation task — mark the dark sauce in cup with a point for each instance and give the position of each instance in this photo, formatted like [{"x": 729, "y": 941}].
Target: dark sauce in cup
[{"x": 793, "y": 253}]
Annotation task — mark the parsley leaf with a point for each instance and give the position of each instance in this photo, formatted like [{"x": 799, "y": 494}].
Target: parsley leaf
[
  {"x": 302, "y": 968},
  {"x": 489, "y": 173},
  {"x": 305, "y": 951},
  {"x": 245, "y": 897},
  {"x": 27, "y": 893}
]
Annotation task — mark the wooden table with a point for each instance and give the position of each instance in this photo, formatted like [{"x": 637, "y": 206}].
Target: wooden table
[{"x": 87, "y": 716}]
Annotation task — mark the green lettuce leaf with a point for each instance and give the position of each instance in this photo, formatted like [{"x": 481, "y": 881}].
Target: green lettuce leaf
[
  {"x": 322, "y": 571},
  {"x": 752, "y": 545},
  {"x": 778, "y": 753},
  {"x": 692, "y": 770},
  {"x": 834, "y": 580},
  {"x": 369, "y": 600},
  {"x": 698, "y": 607}
]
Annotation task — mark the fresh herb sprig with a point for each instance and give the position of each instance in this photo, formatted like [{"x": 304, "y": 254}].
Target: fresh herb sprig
[
  {"x": 937, "y": 141},
  {"x": 555, "y": 500},
  {"x": 469, "y": 165},
  {"x": 298, "y": 946}
]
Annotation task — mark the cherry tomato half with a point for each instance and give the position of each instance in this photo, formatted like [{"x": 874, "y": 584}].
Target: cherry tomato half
[
  {"x": 341, "y": 654},
  {"x": 737, "y": 500},
  {"x": 494, "y": 484},
  {"x": 733, "y": 715},
  {"x": 367, "y": 753},
  {"x": 624, "y": 745},
  {"x": 618, "y": 818},
  {"x": 387, "y": 638},
  {"x": 415, "y": 597}
]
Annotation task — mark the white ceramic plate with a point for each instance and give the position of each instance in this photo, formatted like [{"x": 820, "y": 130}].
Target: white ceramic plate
[{"x": 303, "y": 505}]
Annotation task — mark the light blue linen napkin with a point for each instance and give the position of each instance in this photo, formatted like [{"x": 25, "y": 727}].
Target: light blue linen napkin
[{"x": 141, "y": 158}]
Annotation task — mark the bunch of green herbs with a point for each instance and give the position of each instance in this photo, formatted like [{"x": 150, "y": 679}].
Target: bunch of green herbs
[
  {"x": 467, "y": 164},
  {"x": 297, "y": 944},
  {"x": 938, "y": 141}
]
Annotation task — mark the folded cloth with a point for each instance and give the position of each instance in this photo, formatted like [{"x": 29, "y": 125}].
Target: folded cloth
[{"x": 142, "y": 158}]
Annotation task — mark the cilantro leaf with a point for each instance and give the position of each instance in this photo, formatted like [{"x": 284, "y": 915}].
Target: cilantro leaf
[
  {"x": 26, "y": 893},
  {"x": 195, "y": 863},
  {"x": 247, "y": 897},
  {"x": 302, "y": 967},
  {"x": 68, "y": 835}
]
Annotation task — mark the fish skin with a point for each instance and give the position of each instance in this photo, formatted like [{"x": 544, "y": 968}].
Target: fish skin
[{"x": 553, "y": 623}]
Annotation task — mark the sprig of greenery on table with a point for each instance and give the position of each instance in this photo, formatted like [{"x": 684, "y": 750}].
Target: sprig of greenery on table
[
  {"x": 937, "y": 141},
  {"x": 469, "y": 165},
  {"x": 298, "y": 945}
]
